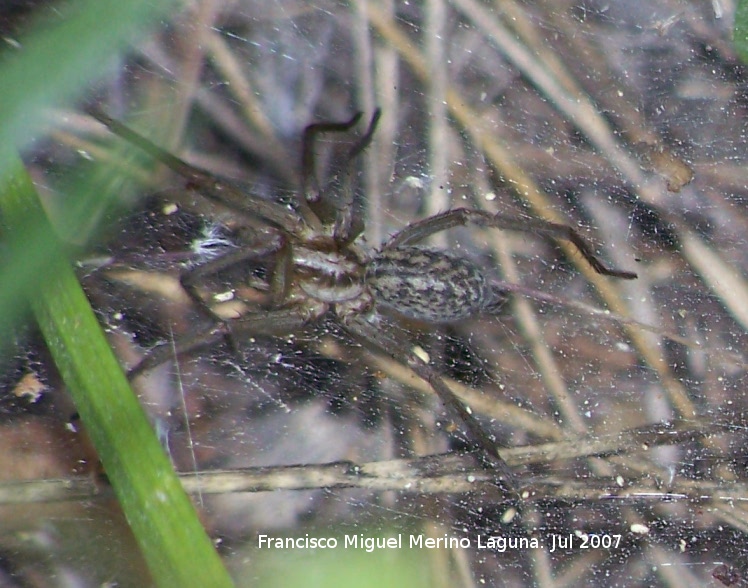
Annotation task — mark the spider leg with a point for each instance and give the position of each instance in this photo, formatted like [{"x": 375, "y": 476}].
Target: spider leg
[
  {"x": 418, "y": 231},
  {"x": 164, "y": 352},
  {"x": 211, "y": 186},
  {"x": 482, "y": 443},
  {"x": 221, "y": 329},
  {"x": 311, "y": 205},
  {"x": 366, "y": 138},
  {"x": 274, "y": 322},
  {"x": 260, "y": 246},
  {"x": 310, "y": 189},
  {"x": 347, "y": 224}
]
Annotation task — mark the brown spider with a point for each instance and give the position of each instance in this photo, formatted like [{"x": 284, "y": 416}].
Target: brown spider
[{"x": 319, "y": 268}]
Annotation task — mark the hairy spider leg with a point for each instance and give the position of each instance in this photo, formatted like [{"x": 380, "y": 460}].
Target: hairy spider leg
[
  {"x": 209, "y": 185},
  {"x": 258, "y": 248},
  {"x": 483, "y": 445},
  {"x": 310, "y": 197},
  {"x": 273, "y": 322},
  {"x": 311, "y": 193},
  {"x": 349, "y": 225},
  {"x": 458, "y": 217}
]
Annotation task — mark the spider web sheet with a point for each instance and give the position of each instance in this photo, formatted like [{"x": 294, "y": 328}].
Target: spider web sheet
[{"x": 624, "y": 120}]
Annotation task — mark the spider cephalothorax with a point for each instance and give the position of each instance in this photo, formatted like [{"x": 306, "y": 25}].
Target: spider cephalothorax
[
  {"x": 318, "y": 267},
  {"x": 334, "y": 276}
]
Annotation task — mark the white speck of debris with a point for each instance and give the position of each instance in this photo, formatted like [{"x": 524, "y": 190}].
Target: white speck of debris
[
  {"x": 508, "y": 515},
  {"x": 639, "y": 529},
  {"x": 224, "y": 296},
  {"x": 619, "y": 481},
  {"x": 471, "y": 478},
  {"x": 170, "y": 209},
  {"x": 682, "y": 545},
  {"x": 414, "y": 182},
  {"x": 490, "y": 196}
]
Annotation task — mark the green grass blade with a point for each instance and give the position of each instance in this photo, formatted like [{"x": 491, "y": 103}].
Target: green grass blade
[
  {"x": 164, "y": 522},
  {"x": 740, "y": 33},
  {"x": 51, "y": 66}
]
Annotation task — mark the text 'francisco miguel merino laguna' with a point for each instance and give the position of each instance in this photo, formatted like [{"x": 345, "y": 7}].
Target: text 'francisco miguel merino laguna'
[{"x": 496, "y": 543}]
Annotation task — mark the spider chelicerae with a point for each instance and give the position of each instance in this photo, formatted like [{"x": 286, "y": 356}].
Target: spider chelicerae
[{"x": 319, "y": 268}]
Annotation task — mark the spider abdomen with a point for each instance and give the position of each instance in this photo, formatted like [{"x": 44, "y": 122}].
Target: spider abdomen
[{"x": 427, "y": 284}]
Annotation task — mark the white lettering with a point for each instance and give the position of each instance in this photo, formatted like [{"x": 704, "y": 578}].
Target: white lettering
[
  {"x": 500, "y": 543},
  {"x": 445, "y": 542},
  {"x": 305, "y": 542}
]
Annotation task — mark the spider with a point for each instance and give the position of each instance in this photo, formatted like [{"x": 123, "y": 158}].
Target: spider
[{"x": 319, "y": 268}]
